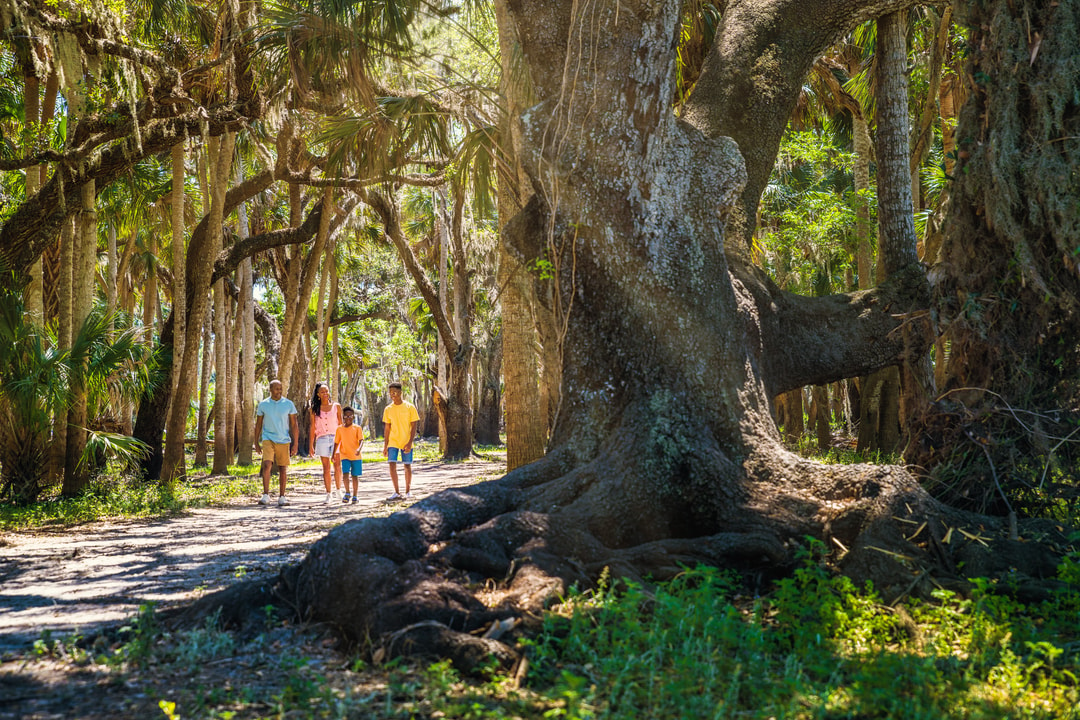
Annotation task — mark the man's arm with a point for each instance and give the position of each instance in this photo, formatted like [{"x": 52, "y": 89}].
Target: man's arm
[{"x": 294, "y": 434}]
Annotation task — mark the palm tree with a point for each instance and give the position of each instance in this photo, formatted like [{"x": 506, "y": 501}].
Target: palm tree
[{"x": 37, "y": 379}]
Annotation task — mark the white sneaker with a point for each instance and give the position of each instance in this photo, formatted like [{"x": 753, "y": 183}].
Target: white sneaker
[
  {"x": 326, "y": 500},
  {"x": 395, "y": 496},
  {"x": 264, "y": 500},
  {"x": 408, "y": 496},
  {"x": 282, "y": 500},
  {"x": 333, "y": 495}
]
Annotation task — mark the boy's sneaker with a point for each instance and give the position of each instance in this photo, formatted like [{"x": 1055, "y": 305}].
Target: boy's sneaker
[
  {"x": 395, "y": 496},
  {"x": 354, "y": 499},
  {"x": 264, "y": 500},
  {"x": 345, "y": 498},
  {"x": 282, "y": 501}
]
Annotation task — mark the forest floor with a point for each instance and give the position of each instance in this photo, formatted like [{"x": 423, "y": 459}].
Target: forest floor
[{"x": 89, "y": 579}]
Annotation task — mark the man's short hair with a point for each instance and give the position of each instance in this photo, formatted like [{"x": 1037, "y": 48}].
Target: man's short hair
[{"x": 395, "y": 385}]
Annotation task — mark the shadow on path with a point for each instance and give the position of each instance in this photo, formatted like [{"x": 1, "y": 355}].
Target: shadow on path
[{"x": 99, "y": 574}]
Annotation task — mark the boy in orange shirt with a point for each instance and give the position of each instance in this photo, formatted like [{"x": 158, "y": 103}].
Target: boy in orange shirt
[{"x": 348, "y": 439}]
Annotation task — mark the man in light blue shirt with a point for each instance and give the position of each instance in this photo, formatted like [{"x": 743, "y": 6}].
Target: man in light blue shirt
[{"x": 276, "y": 436}]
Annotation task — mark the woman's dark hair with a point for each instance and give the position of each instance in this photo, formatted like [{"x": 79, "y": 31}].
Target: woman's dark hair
[{"x": 316, "y": 404}]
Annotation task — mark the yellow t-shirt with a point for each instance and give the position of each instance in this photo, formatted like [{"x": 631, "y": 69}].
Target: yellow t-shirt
[
  {"x": 348, "y": 440},
  {"x": 401, "y": 417}
]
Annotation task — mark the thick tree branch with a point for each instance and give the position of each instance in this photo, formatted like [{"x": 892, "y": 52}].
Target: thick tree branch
[
  {"x": 414, "y": 179},
  {"x": 749, "y": 100},
  {"x": 231, "y": 258},
  {"x": 36, "y": 223},
  {"x": 817, "y": 340}
]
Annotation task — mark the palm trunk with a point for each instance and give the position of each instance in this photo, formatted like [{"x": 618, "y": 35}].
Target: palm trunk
[
  {"x": 221, "y": 382},
  {"x": 246, "y": 320},
  {"x": 202, "y": 453},
  {"x": 84, "y": 256},
  {"x": 35, "y": 301},
  {"x": 173, "y": 457},
  {"x": 526, "y": 424},
  {"x": 179, "y": 284}
]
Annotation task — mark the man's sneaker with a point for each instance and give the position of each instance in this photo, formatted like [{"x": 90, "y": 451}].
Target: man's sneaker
[
  {"x": 354, "y": 499},
  {"x": 326, "y": 499},
  {"x": 408, "y": 496},
  {"x": 345, "y": 498},
  {"x": 264, "y": 500},
  {"x": 395, "y": 496},
  {"x": 282, "y": 500}
]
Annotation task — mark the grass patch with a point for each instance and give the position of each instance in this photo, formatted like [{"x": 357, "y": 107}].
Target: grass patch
[{"x": 120, "y": 495}]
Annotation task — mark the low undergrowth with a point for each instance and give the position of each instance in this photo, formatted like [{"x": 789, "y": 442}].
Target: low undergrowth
[{"x": 815, "y": 647}]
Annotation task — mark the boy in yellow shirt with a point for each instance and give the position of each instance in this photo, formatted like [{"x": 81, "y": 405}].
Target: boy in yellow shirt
[
  {"x": 348, "y": 440},
  {"x": 399, "y": 420}
]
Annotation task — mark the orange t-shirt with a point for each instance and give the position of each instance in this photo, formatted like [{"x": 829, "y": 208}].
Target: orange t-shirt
[{"x": 348, "y": 440}]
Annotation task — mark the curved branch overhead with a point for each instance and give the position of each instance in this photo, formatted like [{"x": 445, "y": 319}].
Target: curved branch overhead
[
  {"x": 749, "y": 84},
  {"x": 106, "y": 145}
]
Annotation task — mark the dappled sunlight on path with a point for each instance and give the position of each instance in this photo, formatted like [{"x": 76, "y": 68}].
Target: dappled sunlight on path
[{"x": 79, "y": 579}]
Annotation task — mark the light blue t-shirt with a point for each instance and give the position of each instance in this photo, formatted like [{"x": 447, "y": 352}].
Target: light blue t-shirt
[{"x": 275, "y": 417}]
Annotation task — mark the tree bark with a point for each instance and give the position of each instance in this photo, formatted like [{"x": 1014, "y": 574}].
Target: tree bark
[
  {"x": 246, "y": 320},
  {"x": 222, "y": 454},
  {"x": 488, "y": 406},
  {"x": 204, "y": 255},
  {"x": 179, "y": 254},
  {"x": 1006, "y": 283},
  {"x": 83, "y": 260},
  {"x": 526, "y": 425},
  {"x": 202, "y": 413}
]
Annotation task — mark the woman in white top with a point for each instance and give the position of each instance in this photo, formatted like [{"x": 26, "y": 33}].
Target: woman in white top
[{"x": 325, "y": 419}]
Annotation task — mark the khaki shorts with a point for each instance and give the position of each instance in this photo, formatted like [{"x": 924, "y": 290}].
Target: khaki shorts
[{"x": 277, "y": 453}]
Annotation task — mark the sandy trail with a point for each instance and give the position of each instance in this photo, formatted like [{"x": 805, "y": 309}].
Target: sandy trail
[{"x": 78, "y": 579}]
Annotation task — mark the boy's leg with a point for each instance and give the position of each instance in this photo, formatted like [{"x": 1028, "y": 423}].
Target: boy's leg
[
  {"x": 393, "y": 475},
  {"x": 355, "y": 484},
  {"x": 408, "y": 478}
]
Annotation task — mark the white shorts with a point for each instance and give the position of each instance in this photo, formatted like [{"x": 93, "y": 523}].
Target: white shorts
[{"x": 324, "y": 446}]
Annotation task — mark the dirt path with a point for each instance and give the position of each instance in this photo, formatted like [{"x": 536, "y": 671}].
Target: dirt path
[{"x": 77, "y": 580}]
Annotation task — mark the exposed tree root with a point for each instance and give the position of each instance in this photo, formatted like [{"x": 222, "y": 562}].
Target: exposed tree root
[{"x": 435, "y": 578}]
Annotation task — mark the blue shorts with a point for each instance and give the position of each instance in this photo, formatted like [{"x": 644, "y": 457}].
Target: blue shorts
[
  {"x": 352, "y": 467},
  {"x": 392, "y": 455}
]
